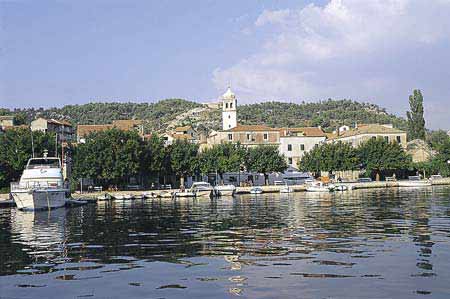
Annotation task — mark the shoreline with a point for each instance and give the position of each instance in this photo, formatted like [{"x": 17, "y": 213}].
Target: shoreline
[{"x": 266, "y": 189}]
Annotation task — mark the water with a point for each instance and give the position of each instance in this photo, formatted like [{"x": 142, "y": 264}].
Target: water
[{"x": 361, "y": 244}]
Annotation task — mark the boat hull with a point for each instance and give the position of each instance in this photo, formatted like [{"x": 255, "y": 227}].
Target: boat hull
[
  {"x": 318, "y": 189},
  {"x": 203, "y": 193},
  {"x": 39, "y": 199}
]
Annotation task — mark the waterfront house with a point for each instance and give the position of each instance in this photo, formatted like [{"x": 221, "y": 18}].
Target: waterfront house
[
  {"x": 364, "y": 132},
  {"x": 124, "y": 125},
  {"x": 62, "y": 128}
]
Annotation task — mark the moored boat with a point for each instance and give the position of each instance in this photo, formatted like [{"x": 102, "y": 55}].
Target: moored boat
[
  {"x": 256, "y": 190},
  {"x": 286, "y": 189},
  {"x": 225, "y": 190},
  {"x": 41, "y": 185},
  {"x": 318, "y": 186},
  {"x": 105, "y": 196},
  {"x": 185, "y": 193},
  {"x": 341, "y": 188},
  {"x": 202, "y": 189}
]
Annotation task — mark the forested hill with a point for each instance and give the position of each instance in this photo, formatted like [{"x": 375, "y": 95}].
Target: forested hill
[{"x": 328, "y": 114}]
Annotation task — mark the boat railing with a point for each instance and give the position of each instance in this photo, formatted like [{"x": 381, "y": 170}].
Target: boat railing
[{"x": 15, "y": 186}]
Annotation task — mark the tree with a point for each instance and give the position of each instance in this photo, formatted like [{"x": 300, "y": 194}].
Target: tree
[
  {"x": 183, "y": 159},
  {"x": 437, "y": 138},
  {"x": 221, "y": 158},
  {"x": 330, "y": 157},
  {"x": 16, "y": 149},
  {"x": 416, "y": 121},
  {"x": 110, "y": 156},
  {"x": 378, "y": 156},
  {"x": 265, "y": 159}
]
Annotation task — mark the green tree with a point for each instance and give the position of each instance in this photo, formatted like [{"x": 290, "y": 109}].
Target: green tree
[
  {"x": 265, "y": 159},
  {"x": 330, "y": 157},
  {"x": 183, "y": 159},
  {"x": 111, "y": 156},
  {"x": 437, "y": 138},
  {"x": 221, "y": 158},
  {"x": 379, "y": 156},
  {"x": 416, "y": 121},
  {"x": 16, "y": 149}
]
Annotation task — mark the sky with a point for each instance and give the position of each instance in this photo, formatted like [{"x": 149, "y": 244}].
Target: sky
[{"x": 54, "y": 53}]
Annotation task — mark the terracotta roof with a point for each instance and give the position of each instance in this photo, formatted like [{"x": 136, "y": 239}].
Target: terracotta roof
[
  {"x": 306, "y": 131},
  {"x": 249, "y": 128},
  {"x": 182, "y": 136},
  {"x": 83, "y": 130},
  {"x": 183, "y": 129},
  {"x": 370, "y": 129},
  {"x": 126, "y": 124}
]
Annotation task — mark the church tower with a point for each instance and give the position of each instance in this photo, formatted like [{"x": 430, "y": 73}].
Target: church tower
[{"x": 229, "y": 114}]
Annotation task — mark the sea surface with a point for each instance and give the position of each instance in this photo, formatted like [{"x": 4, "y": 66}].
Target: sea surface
[{"x": 392, "y": 243}]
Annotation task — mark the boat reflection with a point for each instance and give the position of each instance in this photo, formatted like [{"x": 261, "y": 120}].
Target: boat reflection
[{"x": 42, "y": 233}]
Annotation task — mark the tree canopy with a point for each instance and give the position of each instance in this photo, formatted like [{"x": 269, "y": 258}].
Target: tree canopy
[
  {"x": 416, "y": 121},
  {"x": 265, "y": 159}
]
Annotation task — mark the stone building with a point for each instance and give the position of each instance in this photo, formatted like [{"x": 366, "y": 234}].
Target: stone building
[
  {"x": 124, "y": 125},
  {"x": 62, "y": 128}
]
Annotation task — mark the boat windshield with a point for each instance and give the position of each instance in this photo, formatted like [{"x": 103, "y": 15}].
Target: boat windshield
[{"x": 43, "y": 163}]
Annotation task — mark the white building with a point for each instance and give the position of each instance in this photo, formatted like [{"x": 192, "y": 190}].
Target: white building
[
  {"x": 229, "y": 113},
  {"x": 295, "y": 142}
]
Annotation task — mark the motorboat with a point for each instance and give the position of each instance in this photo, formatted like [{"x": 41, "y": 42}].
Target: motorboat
[
  {"x": 128, "y": 196},
  {"x": 119, "y": 196},
  {"x": 184, "y": 193},
  {"x": 202, "y": 189},
  {"x": 225, "y": 190},
  {"x": 139, "y": 196},
  {"x": 318, "y": 186},
  {"x": 41, "y": 185},
  {"x": 105, "y": 196},
  {"x": 256, "y": 190},
  {"x": 341, "y": 188},
  {"x": 149, "y": 194},
  {"x": 166, "y": 194},
  {"x": 286, "y": 189},
  {"x": 414, "y": 181}
]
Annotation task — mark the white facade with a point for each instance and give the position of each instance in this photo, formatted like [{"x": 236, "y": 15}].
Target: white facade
[
  {"x": 294, "y": 147},
  {"x": 229, "y": 113}
]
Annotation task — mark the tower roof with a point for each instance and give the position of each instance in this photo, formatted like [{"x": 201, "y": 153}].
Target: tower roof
[{"x": 228, "y": 95}]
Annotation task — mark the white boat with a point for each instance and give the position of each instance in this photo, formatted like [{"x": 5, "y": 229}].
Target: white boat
[
  {"x": 149, "y": 194},
  {"x": 256, "y": 190},
  {"x": 318, "y": 186},
  {"x": 185, "y": 193},
  {"x": 103, "y": 197},
  {"x": 166, "y": 194},
  {"x": 286, "y": 189},
  {"x": 139, "y": 196},
  {"x": 41, "y": 185},
  {"x": 202, "y": 189},
  {"x": 225, "y": 190},
  {"x": 119, "y": 196},
  {"x": 414, "y": 181},
  {"x": 341, "y": 188},
  {"x": 128, "y": 196}
]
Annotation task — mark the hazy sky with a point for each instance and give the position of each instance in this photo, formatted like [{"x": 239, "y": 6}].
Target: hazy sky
[{"x": 66, "y": 52}]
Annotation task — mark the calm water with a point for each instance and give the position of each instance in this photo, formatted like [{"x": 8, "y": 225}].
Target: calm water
[{"x": 361, "y": 244}]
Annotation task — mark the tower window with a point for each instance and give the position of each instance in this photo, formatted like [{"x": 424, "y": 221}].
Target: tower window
[
  {"x": 231, "y": 105},
  {"x": 229, "y": 116},
  {"x": 226, "y": 105}
]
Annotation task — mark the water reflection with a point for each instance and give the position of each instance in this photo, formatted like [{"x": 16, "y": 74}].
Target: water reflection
[{"x": 387, "y": 243}]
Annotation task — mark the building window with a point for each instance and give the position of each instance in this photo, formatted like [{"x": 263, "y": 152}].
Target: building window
[
  {"x": 290, "y": 161},
  {"x": 302, "y": 147},
  {"x": 249, "y": 137},
  {"x": 386, "y": 138},
  {"x": 374, "y": 137},
  {"x": 226, "y": 105},
  {"x": 230, "y": 136},
  {"x": 289, "y": 147},
  {"x": 231, "y": 105},
  {"x": 399, "y": 139},
  {"x": 229, "y": 116},
  {"x": 265, "y": 136}
]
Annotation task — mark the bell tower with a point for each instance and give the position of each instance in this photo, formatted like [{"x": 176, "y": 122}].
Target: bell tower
[{"x": 229, "y": 113}]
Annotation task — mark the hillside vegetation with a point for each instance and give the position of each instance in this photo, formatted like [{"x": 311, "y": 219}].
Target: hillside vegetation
[{"x": 328, "y": 114}]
